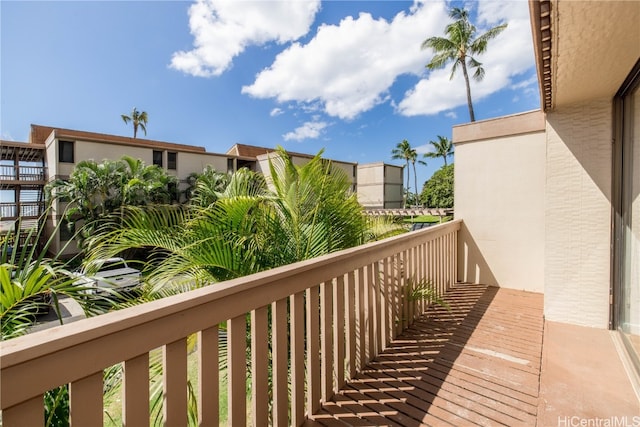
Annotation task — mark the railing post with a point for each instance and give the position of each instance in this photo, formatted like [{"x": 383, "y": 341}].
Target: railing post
[
  {"x": 338, "y": 332},
  {"x": 326, "y": 340},
  {"x": 313, "y": 350},
  {"x": 85, "y": 401},
  {"x": 174, "y": 375},
  {"x": 297, "y": 359},
  {"x": 260, "y": 366},
  {"x": 29, "y": 413},
  {"x": 209, "y": 377},
  {"x": 237, "y": 370},
  {"x": 135, "y": 391},
  {"x": 280, "y": 363}
]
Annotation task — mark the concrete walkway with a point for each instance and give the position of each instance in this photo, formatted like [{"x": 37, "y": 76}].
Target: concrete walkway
[{"x": 69, "y": 309}]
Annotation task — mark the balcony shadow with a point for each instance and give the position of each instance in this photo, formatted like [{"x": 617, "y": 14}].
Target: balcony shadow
[{"x": 403, "y": 384}]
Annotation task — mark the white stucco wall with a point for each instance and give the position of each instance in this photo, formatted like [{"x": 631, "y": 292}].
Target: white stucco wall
[
  {"x": 499, "y": 195},
  {"x": 578, "y": 213}
]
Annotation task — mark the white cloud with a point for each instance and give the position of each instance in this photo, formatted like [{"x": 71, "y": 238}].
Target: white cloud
[
  {"x": 508, "y": 55},
  {"x": 349, "y": 68},
  {"x": 451, "y": 114},
  {"x": 276, "y": 112},
  {"x": 309, "y": 130},
  {"x": 223, "y": 29},
  {"x": 424, "y": 149},
  {"x": 7, "y": 136},
  {"x": 532, "y": 81}
]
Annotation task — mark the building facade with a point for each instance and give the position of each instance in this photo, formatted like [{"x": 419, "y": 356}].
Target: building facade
[
  {"x": 52, "y": 153},
  {"x": 380, "y": 186},
  {"x": 551, "y": 198}
]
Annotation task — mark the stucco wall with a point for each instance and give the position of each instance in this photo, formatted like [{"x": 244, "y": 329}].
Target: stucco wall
[
  {"x": 499, "y": 195},
  {"x": 578, "y": 214},
  {"x": 379, "y": 185}
]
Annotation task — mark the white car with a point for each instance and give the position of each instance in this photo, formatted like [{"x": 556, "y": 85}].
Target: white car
[{"x": 110, "y": 273}]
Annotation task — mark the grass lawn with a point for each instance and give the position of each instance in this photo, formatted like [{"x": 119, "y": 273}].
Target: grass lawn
[{"x": 427, "y": 218}]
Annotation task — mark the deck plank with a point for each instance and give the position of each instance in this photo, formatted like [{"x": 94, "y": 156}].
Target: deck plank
[{"x": 477, "y": 363}]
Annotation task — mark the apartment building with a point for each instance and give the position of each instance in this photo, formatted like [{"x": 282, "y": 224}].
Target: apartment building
[
  {"x": 52, "y": 153},
  {"x": 380, "y": 185}
]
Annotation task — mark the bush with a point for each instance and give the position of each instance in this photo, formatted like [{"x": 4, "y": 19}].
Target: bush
[{"x": 438, "y": 190}]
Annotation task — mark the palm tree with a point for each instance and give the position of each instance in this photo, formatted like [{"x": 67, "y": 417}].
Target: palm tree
[
  {"x": 414, "y": 160},
  {"x": 307, "y": 211},
  {"x": 442, "y": 148},
  {"x": 459, "y": 45},
  {"x": 403, "y": 151},
  {"x": 95, "y": 190},
  {"x": 138, "y": 118},
  {"x": 206, "y": 186}
]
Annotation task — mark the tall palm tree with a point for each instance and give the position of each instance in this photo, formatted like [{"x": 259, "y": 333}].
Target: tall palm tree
[
  {"x": 459, "y": 45},
  {"x": 138, "y": 118},
  {"x": 403, "y": 151},
  {"x": 442, "y": 148},
  {"x": 414, "y": 160}
]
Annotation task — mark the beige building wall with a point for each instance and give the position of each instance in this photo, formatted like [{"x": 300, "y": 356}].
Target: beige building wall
[
  {"x": 262, "y": 166},
  {"x": 500, "y": 195},
  {"x": 578, "y": 213},
  {"x": 380, "y": 185}
]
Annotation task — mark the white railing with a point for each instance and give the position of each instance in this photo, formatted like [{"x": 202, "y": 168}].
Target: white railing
[{"x": 322, "y": 319}]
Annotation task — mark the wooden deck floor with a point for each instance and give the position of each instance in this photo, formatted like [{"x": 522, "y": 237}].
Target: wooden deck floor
[{"x": 477, "y": 364}]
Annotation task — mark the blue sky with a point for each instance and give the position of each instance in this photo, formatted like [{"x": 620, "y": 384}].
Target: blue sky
[{"x": 346, "y": 76}]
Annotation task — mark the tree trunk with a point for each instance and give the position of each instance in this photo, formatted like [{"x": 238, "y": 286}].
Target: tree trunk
[
  {"x": 404, "y": 196},
  {"x": 135, "y": 129},
  {"x": 466, "y": 80},
  {"x": 415, "y": 180}
]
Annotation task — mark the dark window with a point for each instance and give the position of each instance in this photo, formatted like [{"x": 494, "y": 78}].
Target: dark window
[
  {"x": 229, "y": 165},
  {"x": 65, "y": 151},
  {"x": 355, "y": 171},
  {"x": 157, "y": 158},
  {"x": 172, "y": 160},
  {"x": 67, "y": 230}
]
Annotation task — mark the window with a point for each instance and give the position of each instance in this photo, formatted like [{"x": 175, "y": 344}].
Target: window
[
  {"x": 172, "y": 160},
  {"x": 230, "y": 165},
  {"x": 65, "y": 151},
  {"x": 67, "y": 230},
  {"x": 627, "y": 220},
  {"x": 157, "y": 158},
  {"x": 355, "y": 171}
]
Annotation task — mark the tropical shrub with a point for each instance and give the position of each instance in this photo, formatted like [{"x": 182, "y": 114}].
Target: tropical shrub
[{"x": 438, "y": 190}]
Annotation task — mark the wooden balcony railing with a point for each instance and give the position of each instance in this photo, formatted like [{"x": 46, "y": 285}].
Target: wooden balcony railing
[{"x": 321, "y": 320}]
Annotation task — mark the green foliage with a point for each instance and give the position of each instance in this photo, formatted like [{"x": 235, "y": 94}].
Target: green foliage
[
  {"x": 426, "y": 290},
  {"x": 95, "y": 190},
  {"x": 443, "y": 147},
  {"x": 29, "y": 282},
  {"x": 309, "y": 211},
  {"x": 404, "y": 151},
  {"x": 438, "y": 190},
  {"x": 205, "y": 188}
]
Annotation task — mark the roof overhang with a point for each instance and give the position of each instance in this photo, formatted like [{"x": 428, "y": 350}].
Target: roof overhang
[{"x": 584, "y": 50}]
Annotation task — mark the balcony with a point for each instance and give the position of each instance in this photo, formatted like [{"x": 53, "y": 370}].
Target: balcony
[
  {"x": 337, "y": 340},
  {"x": 26, "y": 210},
  {"x": 20, "y": 174}
]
